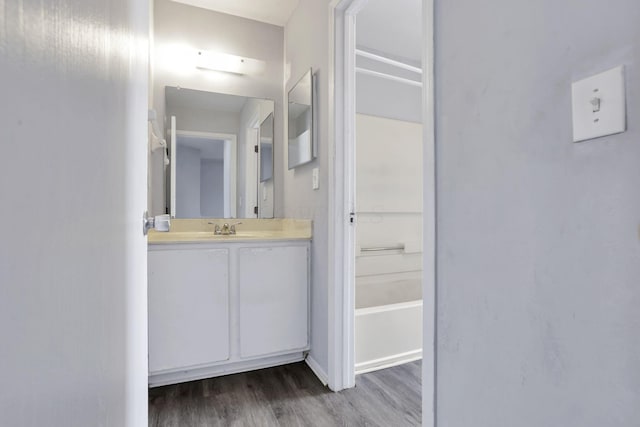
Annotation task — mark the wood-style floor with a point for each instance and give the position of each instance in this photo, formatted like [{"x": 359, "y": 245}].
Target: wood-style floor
[{"x": 290, "y": 395}]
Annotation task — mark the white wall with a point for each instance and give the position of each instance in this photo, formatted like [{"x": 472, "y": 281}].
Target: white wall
[
  {"x": 538, "y": 237},
  {"x": 180, "y": 31},
  {"x": 72, "y": 254},
  {"x": 306, "y": 45}
]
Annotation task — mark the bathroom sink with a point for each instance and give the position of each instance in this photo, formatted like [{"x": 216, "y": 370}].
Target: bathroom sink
[{"x": 202, "y": 231}]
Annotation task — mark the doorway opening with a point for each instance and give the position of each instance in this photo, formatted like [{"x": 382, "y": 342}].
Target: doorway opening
[
  {"x": 203, "y": 174},
  {"x": 388, "y": 186},
  {"x": 391, "y": 232}
]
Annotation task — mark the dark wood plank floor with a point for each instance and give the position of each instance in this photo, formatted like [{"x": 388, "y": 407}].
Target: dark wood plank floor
[{"x": 290, "y": 395}]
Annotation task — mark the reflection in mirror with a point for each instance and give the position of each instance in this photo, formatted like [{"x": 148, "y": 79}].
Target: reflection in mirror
[
  {"x": 266, "y": 149},
  {"x": 300, "y": 129},
  {"x": 265, "y": 203},
  {"x": 214, "y": 160},
  {"x": 205, "y": 175}
]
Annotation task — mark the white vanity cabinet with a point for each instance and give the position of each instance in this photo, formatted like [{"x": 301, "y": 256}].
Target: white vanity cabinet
[
  {"x": 188, "y": 308},
  {"x": 273, "y": 306},
  {"x": 221, "y": 307}
]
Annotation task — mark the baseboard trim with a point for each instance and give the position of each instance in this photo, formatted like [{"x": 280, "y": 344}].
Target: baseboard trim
[
  {"x": 317, "y": 370},
  {"x": 388, "y": 362},
  {"x": 156, "y": 380}
]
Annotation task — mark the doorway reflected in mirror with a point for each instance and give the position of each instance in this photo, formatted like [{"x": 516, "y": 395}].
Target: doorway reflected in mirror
[{"x": 221, "y": 149}]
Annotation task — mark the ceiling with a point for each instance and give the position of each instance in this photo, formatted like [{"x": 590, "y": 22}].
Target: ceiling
[
  {"x": 393, "y": 28},
  {"x": 276, "y": 12},
  {"x": 384, "y": 26}
]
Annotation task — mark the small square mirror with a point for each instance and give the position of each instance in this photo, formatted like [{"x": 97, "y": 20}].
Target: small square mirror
[{"x": 301, "y": 137}]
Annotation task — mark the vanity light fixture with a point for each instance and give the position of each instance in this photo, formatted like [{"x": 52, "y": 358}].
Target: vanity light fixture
[{"x": 229, "y": 63}]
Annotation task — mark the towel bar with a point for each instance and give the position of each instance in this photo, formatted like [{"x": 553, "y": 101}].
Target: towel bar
[{"x": 383, "y": 248}]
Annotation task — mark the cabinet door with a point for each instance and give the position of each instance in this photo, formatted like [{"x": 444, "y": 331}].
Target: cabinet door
[
  {"x": 273, "y": 300},
  {"x": 188, "y": 308}
]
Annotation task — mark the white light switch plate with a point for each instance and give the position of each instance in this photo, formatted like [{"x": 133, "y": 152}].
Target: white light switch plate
[
  {"x": 599, "y": 106},
  {"x": 316, "y": 178}
]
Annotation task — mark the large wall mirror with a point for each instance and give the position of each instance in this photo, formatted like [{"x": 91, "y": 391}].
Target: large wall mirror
[
  {"x": 221, "y": 155},
  {"x": 301, "y": 146}
]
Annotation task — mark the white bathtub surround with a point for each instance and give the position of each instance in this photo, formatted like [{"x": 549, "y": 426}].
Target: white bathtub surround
[
  {"x": 388, "y": 317},
  {"x": 384, "y": 289},
  {"x": 388, "y": 320},
  {"x": 388, "y": 335}
]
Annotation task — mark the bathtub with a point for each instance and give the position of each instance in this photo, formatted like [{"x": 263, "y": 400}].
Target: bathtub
[{"x": 388, "y": 322}]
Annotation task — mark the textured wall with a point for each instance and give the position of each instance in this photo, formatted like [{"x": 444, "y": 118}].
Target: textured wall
[
  {"x": 73, "y": 302},
  {"x": 538, "y": 237},
  {"x": 306, "y": 46}
]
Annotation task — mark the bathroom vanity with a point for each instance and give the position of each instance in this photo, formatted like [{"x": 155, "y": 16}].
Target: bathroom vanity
[
  {"x": 220, "y": 304},
  {"x": 225, "y": 303}
]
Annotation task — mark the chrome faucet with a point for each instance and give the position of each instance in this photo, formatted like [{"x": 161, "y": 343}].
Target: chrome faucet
[{"x": 226, "y": 229}]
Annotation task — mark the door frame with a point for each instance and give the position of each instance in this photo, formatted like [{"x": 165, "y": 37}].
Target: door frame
[
  {"x": 254, "y": 129},
  {"x": 342, "y": 114}
]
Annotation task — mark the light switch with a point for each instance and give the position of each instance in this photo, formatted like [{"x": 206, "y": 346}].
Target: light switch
[
  {"x": 316, "y": 178},
  {"x": 599, "y": 105}
]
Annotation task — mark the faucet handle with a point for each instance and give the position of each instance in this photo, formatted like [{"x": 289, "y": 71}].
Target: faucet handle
[
  {"x": 232, "y": 229},
  {"x": 216, "y": 229}
]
